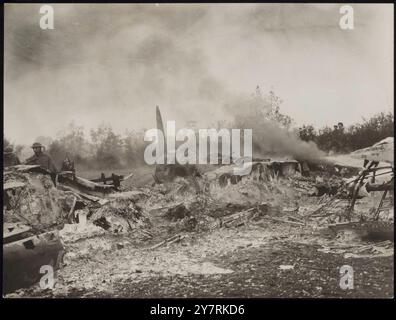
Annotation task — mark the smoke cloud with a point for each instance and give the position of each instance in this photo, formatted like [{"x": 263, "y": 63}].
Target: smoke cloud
[{"x": 115, "y": 63}]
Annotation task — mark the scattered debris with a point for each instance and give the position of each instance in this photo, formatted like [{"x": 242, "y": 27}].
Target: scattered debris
[
  {"x": 288, "y": 199},
  {"x": 361, "y": 250},
  {"x": 120, "y": 215}
]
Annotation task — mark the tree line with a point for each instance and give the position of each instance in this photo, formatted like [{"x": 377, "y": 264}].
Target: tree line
[
  {"x": 340, "y": 139},
  {"x": 104, "y": 149}
]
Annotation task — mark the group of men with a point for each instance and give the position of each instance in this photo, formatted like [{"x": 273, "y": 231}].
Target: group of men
[{"x": 39, "y": 157}]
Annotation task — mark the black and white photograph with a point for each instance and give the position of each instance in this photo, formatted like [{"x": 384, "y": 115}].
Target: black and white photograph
[{"x": 197, "y": 150}]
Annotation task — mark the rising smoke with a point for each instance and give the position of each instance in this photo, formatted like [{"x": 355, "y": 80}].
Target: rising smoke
[
  {"x": 271, "y": 135},
  {"x": 115, "y": 63}
]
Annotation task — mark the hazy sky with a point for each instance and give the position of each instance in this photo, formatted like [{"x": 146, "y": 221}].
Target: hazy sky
[{"x": 114, "y": 63}]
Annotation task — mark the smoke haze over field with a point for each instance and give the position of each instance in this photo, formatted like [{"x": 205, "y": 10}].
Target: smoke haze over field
[{"x": 115, "y": 63}]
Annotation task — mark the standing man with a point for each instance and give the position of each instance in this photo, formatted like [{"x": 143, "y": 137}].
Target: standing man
[
  {"x": 10, "y": 158},
  {"x": 41, "y": 158}
]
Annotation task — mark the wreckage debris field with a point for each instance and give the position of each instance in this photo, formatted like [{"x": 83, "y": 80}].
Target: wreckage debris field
[
  {"x": 264, "y": 235},
  {"x": 257, "y": 274},
  {"x": 239, "y": 268}
]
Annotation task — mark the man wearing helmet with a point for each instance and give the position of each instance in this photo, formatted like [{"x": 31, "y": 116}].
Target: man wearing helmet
[
  {"x": 9, "y": 157},
  {"x": 41, "y": 158}
]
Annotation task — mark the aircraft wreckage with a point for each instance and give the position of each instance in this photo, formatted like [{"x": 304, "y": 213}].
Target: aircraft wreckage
[{"x": 35, "y": 207}]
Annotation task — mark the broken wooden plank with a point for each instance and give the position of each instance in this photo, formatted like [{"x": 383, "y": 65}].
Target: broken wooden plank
[
  {"x": 170, "y": 240},
  {"x": 92, "y": 185},
  {"x": 127, "y": 177},
  {"x": 237, "y": 215},
  {"x": 296, "y": 219},
  {"x": 31, "y": 168},
  {"x": 181, "y": 237},
  {"x": 13, "y": 185},
  {"x": 157, "y": 245},
  {"x": 81, "y": 194}
]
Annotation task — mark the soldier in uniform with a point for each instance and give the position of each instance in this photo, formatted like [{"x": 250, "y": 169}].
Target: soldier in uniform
[
  {"x": 41, "y": 158},
  {"x": 68, "y": 165},
  {"x": 10, "y": 158}
]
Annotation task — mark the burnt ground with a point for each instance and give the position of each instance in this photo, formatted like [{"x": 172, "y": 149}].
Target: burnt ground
[
  {"x": 264, "y": 260},
  {"x": 257, "y": 275},
  {"x": 254, "y": 267}
]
